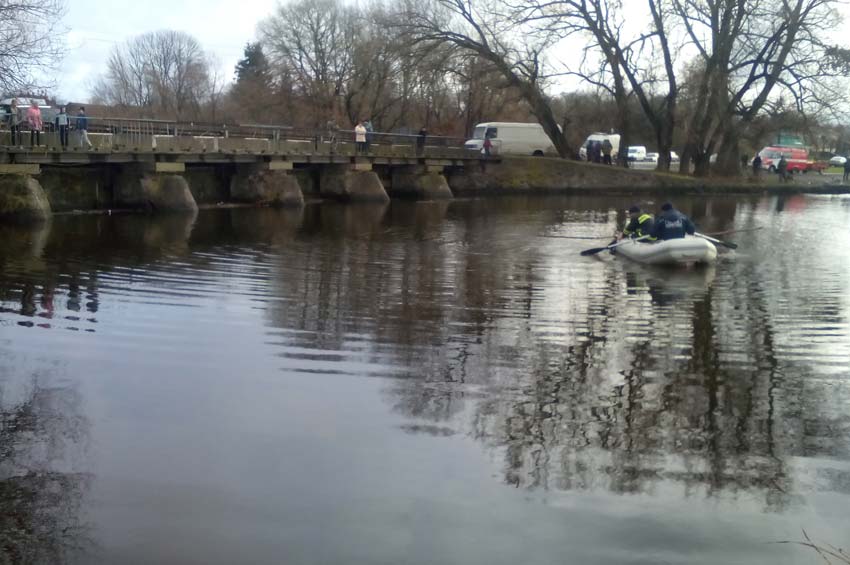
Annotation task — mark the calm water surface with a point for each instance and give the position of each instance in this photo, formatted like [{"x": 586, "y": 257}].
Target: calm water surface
[{"x": 421, "y": 384}]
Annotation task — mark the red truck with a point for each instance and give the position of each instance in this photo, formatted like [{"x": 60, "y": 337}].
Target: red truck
[{"x": 797, "y": 157}]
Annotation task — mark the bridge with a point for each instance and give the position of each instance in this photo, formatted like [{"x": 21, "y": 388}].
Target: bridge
[{"x": 165, "y": 165}]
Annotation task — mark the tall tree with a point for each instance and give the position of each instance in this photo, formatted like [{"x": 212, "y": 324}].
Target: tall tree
[
  {"x": 31, "y": 42},
  {"x": 624, "y": 71},
  {"x": 484, "y": 30},
  {"x": 166, "y": 71},
  {"x": 747, "y": 51},
  {"x": 313, "y": 41}
]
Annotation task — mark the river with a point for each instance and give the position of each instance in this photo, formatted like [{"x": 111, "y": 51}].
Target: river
[{"x": 422, "y": 383}]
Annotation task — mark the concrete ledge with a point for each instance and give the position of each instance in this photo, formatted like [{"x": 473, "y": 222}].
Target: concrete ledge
[
  {"x": 19, "y": 169},
  {"x": 279, "y": 165},
  {"x": 166, "y": 167}
]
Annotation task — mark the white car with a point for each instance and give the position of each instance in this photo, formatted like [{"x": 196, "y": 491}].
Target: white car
[
  {"x": 674, "y": 157},
  {"x": 652, "y": 157},
  {"x": 637, "y": 153},
  {"x": 837, "y": 161}
]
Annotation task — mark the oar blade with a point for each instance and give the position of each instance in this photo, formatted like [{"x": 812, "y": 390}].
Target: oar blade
[{"x": 593, "y": 251}]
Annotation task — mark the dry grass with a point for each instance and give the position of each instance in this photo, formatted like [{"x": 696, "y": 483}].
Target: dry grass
[{"x": 829, "y": 553}]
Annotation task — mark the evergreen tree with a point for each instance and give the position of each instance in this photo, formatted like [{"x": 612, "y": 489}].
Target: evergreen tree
[{"x": 253, "y": 68}]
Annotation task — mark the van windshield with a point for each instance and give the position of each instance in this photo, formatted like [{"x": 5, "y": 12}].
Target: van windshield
[{"x": 479, "y": 132}]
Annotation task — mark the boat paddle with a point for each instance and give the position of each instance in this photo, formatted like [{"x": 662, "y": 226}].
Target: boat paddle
[
  {"x": 596, "y": 250},
  {"x": 728, "y": 244},
  {"x": 727, "y": 232}
]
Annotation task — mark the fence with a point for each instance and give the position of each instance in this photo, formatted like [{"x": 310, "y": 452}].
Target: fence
[{"x": 140, "y": 135}]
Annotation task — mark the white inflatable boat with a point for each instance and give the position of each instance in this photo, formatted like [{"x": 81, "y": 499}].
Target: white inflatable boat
[{"x": 689, "y": 249}]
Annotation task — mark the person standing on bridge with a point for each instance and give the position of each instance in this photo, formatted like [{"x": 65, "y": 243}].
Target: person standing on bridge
[
  {"x": 14, "y": 122},
  {"x": 62, "y": 123},
  {"x": 360, "y": 137},
  {"x": 82, "y": 126},
  {"x": 420, "y": 141},
  {"x": 369, "y": 132},
  {"x": 35, "y": 123}
]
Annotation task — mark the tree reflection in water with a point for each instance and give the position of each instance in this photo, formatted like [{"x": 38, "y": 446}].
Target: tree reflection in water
[{"x": 40, "y": 494}]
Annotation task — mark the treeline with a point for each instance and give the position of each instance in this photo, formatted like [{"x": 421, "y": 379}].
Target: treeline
[
  {"x": 702, "y": 77},
  {"x": 314, "y": 61}
]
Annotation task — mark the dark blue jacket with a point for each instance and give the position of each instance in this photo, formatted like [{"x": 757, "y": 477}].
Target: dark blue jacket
[
  {"x": 82, "y": 122},
  {"x": 672, "y": 224}
]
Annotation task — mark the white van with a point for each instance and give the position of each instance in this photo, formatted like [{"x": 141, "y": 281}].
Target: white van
[
  {"x": 512, "y": 137},
  {"x": 637, "y": 153},
  {"x": 614, "y": 138}
]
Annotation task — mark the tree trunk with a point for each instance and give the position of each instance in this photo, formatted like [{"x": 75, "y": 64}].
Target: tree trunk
[
  {"x": 729, "y": 156},
  {"x": 543, "y": 110},
  {"x": 702, "y": 163},
  {"x": 686, "y": 157}
]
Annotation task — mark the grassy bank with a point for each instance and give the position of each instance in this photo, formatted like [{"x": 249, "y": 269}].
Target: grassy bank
[{"x": 514, "y": 175}]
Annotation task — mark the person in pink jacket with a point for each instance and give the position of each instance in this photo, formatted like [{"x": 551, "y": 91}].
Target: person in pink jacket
[{"x": 34, "y": 120}]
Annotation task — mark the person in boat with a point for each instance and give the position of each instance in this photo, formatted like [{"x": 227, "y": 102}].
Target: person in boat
[
  {"x": 640, "y": 224},
  {"x": 672, "y": 224}
]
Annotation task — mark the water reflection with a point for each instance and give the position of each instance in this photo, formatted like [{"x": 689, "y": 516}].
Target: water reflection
[
  {"x": 575, "y": 375},
  {"x": 42, "y": 428}
]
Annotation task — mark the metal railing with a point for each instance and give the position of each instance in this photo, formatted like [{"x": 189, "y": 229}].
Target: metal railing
[{"x": 109, "y": 134}]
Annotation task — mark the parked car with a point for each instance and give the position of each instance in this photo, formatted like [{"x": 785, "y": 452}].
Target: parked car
[
  {"x": 797, "y": 158},
  {"x": 837, "y": 161},
  {"x": 674, "y": 157},
  {"x": 637, "y": 153},
  {"x": 512, "y": 137},
  {"x": 614, "y": 138},
  {"x": 652, "y": 157}
]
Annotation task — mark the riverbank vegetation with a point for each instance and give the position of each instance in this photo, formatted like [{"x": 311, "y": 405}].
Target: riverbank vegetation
[{"x": 701, "y": 77}]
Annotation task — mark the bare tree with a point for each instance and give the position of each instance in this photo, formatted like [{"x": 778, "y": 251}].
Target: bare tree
[
  {"x": 626, "y": 64},
  {"x": 748, "y": 50},
  {"x": 482, "y": 29},
  {"x": 313, "y": 41},
  {"x": 166, "y": 71},
  {"x": 31, "y": 42}
]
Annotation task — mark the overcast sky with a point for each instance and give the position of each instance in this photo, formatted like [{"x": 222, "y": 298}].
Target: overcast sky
[
  {"x": 222, "y": 27},
  {"x": 95, "y": 26}
]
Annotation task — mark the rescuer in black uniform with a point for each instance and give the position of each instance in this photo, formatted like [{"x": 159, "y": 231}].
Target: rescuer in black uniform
[
  {"x": 672, "y": 224},
  {"x": 640, "y": 224}
]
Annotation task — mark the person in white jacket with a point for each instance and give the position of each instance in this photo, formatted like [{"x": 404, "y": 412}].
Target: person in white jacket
[{"x": 360, "y": 137}]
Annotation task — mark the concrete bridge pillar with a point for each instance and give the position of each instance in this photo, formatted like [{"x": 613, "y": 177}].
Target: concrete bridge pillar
[
  {"x": 266, "y": 183},
  {"x": 352, "y": 183},
  {"x": 159, "y": 186},
  {"x": 22, "y": 199},
  {"x": 421, "y": 182}
]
